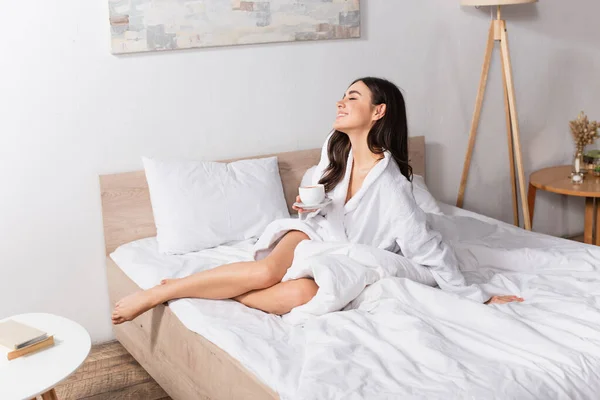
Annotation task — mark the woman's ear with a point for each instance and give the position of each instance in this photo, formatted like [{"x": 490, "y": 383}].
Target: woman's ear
[{"x": 379, "y": 112}]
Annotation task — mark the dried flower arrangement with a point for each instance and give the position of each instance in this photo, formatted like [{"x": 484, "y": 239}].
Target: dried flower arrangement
[{"x": 584, "y": 131}]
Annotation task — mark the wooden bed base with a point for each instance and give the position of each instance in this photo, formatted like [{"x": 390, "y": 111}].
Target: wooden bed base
[{"x": 184, "y": 363}]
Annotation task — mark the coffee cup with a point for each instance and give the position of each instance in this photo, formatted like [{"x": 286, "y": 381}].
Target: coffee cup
[{"x": 312, "y": 195}]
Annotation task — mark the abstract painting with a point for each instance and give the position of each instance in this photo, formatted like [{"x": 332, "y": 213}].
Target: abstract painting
[{"x": 153, "y": 25}]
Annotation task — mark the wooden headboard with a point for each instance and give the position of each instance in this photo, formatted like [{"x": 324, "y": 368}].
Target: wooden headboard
[{"x": 127, "y": 213}]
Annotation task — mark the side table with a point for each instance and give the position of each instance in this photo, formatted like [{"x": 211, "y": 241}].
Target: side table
[
  {"x": 558, "y": 180},
  {"x": 38, "y": 373}
]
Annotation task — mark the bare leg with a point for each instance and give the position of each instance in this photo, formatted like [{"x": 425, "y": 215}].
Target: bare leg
[
  {"x": 222, "y": 282},
  {"x": 281, "y": 298}
]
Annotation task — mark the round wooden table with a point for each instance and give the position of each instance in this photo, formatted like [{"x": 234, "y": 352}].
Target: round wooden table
[{"x": 558, "y": 180}]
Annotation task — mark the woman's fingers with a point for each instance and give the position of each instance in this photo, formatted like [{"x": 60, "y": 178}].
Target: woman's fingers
[
  {"x": 300, "y": 210},
  {"x": 505, "y": 299}
]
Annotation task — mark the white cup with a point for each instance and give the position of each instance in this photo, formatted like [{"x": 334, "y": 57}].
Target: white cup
[{"x": 312, "y": 195}]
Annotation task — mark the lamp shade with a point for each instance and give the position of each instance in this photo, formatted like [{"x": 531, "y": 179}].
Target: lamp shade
[{"x": 478, "y": 3}]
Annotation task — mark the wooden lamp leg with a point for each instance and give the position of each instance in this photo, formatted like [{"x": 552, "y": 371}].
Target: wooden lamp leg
[
  {"x": 511, "y": 154},
  {"x": 509, "y": 133},
  {"x": 476, "y": 115},
  {"x": 514, "y": 123}
]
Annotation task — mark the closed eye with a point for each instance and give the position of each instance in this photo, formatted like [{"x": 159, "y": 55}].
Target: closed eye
[{"x": 352, "y": 92}]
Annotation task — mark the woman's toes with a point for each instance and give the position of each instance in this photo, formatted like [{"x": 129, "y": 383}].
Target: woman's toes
[{"x": 133, "y": 305}]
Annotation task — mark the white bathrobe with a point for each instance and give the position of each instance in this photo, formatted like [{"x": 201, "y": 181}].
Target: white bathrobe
[{"x": 384, "y": 214}]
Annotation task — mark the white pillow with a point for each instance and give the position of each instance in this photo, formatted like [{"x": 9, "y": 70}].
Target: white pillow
[
  {"x": 424, "y": 199},
  {"x": 199, "y": 205}
]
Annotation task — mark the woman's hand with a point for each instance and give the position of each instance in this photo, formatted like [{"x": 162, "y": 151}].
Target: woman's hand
[
  {"x": 303, "y": 210},
  {"x": 504, "y": 299},
  {"x": 300, "y": 210}
]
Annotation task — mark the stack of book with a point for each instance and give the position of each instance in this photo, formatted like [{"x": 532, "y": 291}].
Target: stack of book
[{"x": 21, "y": 339}]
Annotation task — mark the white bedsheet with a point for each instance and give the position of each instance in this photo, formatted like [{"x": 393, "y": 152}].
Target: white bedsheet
[{"x": 401, "y": 339}]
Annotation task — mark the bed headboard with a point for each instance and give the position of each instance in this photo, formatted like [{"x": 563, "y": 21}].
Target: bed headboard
[{"x": 127, "y": 213}]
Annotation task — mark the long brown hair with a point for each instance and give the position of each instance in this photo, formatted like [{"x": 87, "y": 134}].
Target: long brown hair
[{"x": 389, "y": 133}]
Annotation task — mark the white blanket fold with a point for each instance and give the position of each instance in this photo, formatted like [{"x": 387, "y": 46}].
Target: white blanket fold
[{"x": 342, "y": 271}]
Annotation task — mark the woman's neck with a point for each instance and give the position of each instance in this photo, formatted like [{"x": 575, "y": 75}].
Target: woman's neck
[{"x": 363, "y": 157}]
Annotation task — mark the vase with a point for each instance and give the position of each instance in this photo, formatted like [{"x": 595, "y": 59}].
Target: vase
[{"x": 578, "y": 166}]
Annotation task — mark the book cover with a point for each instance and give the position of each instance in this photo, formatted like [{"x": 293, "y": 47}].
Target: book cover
[{"x": 16, "y": 335}]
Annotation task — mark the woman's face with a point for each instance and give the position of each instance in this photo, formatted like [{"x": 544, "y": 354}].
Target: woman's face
[{"x": 355, "y": 110}]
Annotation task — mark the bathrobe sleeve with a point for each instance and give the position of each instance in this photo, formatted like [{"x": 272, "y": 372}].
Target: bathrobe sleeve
[{"x": 424, "y": 246}]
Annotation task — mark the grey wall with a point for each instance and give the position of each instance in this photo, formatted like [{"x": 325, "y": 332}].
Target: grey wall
[{"x": 70, "y": 111}]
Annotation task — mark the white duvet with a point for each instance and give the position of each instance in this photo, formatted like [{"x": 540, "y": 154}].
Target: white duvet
[{"x": 397, "y": 338}]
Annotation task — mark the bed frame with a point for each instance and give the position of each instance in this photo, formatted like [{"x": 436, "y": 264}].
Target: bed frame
[{"x": 184, "y": 363}]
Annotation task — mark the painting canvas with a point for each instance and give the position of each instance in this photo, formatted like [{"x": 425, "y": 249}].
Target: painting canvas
[{"x": 152, "y": 25}]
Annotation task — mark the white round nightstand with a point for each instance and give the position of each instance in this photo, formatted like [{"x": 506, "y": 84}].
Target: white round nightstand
[{"x": 38, "y": 373}]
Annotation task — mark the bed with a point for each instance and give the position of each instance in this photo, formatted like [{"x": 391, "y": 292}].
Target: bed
[
  {"x": 184, "y": 363},
  {"x": 397, "y": 339}
]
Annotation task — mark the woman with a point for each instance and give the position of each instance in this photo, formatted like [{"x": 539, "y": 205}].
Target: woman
[{"x": 364, "y": 167}]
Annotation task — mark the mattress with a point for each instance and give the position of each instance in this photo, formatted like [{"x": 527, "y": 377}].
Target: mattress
[{"x": 401, "y": 339}]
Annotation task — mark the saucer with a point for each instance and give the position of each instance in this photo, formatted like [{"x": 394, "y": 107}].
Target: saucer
[{"x": 324, "y": 203}]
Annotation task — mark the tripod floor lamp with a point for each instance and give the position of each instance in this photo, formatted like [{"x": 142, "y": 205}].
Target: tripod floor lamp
[{"x": 497, "y": 33}]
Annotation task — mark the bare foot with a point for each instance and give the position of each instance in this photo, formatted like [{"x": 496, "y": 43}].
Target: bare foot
[
  {"x": 165, "y": 281},
  {"x": 134, "y": 305}
]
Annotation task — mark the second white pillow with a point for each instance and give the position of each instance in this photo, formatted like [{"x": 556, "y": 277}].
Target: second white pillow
[
  {"x": 423, "y": 196},
  {"x": 199, "y": 205}
]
